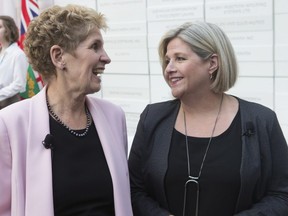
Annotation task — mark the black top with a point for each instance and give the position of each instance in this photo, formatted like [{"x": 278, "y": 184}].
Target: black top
[
  {"x": 220, "y": 179},
  {"x": 82, "y": 183}
]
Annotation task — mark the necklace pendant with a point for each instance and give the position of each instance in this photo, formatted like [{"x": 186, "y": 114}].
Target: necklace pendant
[
  {"x": 196, "y": 178},
  {"x": 193, "y": 179}
]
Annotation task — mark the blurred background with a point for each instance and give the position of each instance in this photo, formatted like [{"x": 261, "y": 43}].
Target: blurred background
[{"x": 257, "y": 28}]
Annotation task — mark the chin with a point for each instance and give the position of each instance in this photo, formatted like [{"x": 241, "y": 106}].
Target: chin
[
  {"x": 93, "y": 90},
  {"x": 96, "y": 90},
  {"x": 176, "y": 94}
]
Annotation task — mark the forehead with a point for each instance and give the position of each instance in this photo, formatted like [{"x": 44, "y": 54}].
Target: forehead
[
  {"x": 95, "y": 34},
  {"x": 178, "y": 45}
]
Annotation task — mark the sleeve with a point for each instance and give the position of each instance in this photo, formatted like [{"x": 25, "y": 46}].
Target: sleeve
[
  {"x": 275, "y": 201},
  {"x": 20, "y": 67},
  {"x": 5, "y": 172},
  {"x": 142, "y": 203}
]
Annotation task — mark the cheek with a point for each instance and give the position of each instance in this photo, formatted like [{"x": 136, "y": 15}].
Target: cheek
[{"x": 165, "y": 76}]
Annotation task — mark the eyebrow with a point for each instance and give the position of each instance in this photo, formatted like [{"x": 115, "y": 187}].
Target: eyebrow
[
  {"x": 175, "y": 54},
  {"x": 97, "y": 40}
]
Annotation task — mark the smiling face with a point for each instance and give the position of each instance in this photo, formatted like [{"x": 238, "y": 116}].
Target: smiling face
[
  {"x": 84, "y": 67},
  {"x": 186, "y": 73}
]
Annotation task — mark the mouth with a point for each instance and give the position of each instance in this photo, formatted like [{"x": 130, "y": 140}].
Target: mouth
[
  {"x": 98, "y": 71},
  {"x": 175, "y": 80}
]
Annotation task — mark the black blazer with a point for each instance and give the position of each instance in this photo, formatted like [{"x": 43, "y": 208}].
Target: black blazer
[{"x": 264, "y": 163}]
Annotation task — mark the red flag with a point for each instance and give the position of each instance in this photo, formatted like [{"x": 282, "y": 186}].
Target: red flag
[{"x": 29, "y": 10}]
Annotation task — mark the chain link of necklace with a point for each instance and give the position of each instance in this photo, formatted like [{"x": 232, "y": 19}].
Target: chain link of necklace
[
  {"x": 195, "y": 179},
  {"x": 88, "y": 116},
  {"x": 208, "y": 145}
]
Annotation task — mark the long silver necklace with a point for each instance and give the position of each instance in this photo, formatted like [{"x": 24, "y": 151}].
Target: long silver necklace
[
  {"x": 88, "y": 116},
  {"x": 195, "y": 179}
]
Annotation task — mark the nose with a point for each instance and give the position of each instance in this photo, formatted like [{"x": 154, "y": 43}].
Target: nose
[
  {"x": 105, "y": 58},
  {"x": 170, "y": 67}
]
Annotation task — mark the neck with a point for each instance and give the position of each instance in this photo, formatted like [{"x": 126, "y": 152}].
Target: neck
[
  {"x": 200, "y": 119},
  {"x": 61, "y": 100},
  {"x": 4, "y": 46},
  {"x": 202, "y": 104}
]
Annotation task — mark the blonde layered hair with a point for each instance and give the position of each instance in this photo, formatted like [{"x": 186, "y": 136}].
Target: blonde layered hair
[{"x": 206, "y": 39}]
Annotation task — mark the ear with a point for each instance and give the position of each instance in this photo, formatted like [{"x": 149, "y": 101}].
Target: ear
[
  {"x": 56, "y": 54},
  {"x": 214, "y": 63}
]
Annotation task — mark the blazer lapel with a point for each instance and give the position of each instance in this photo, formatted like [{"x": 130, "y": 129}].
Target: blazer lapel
[
  {"x": 162, "y": 146},
  {"x": 39, "y": 193},
  {"x": 106, "y": 135},
  {"x": 114, "y": 156}
]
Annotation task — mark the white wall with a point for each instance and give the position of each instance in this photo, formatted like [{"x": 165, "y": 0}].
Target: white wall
[
  {"x": 10, "y": 8},
  {"x": 257, "y": 29}
]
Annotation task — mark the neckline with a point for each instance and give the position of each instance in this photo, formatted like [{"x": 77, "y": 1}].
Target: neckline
[
  {"x": 214, "y": 137},
  {"x": 196, "y": 178},
  {"x": 78, "y": 133}
]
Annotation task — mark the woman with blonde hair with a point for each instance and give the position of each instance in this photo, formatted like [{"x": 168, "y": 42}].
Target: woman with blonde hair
[{"x": 206, "y": 153}]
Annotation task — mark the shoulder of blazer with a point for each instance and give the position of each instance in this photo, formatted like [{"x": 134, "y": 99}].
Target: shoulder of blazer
[
  {"x": 105, "y": 105},
  {"x": 161, "y": 109},
  {"x": 155, "y": 114},
  {"x": 251, "y": 110},
  {"x": 16, "y": 110},
  {"x": 258, "y": 117},
  {"x": 100, "y": 107}
]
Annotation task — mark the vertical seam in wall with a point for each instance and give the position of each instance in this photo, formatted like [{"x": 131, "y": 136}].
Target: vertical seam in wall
[
  {"x": 204, "y": 11},
  {"x": 273, "y": 58},
  {"x": 148, "y": 57}
]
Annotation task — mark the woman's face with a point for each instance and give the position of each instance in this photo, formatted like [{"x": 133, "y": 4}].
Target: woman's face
[
  {"x": 85, "y": 66},
  {"x": 186, "y": 73}
]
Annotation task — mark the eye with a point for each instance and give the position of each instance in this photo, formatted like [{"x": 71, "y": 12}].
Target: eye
[
  {"x": 167, "y": 61},
  {"x": 95, "y": 46},
  {"x": 180, "y": 59}
]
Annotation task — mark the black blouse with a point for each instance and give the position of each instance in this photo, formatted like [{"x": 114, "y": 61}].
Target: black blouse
[
  {"x": 220, "y": 179},
  {"x": 82, "y": 183}
]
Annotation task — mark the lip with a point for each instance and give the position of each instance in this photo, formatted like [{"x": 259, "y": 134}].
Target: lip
[
  {"x": 174, "y": 80},
  {"x": 98, "y": 71}
]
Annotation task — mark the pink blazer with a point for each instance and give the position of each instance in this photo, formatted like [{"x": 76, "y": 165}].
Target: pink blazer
[{"x": 25, "y": 165}]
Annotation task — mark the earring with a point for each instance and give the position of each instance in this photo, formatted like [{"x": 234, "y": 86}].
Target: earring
[
  {"x": 211, "y": 76},
  {"x": 63, "y": 66}
]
